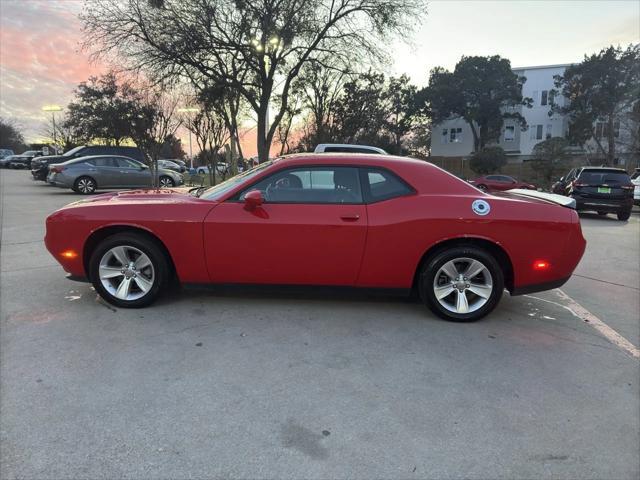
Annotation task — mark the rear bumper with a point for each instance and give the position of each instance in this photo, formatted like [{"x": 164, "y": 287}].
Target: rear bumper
[
  {"x": 539, "y": 287},
  {"x": 603, "y": 204},
  {"x": 39, "y": 174}
]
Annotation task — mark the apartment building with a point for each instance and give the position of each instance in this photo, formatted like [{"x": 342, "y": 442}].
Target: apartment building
[{"x": 453, "y": 138}]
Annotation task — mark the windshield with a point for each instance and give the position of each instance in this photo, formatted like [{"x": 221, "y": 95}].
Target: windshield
[
  {"x": 72, "y": 151},
  {"x": 216, "y": 192}
]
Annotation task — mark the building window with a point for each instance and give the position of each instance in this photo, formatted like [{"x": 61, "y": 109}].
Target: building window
[
  {"x": 549, "y": 131},
  {"x": 544, "y": 97},
  {"x": 455, "y": 135},
  {"x": 509, "y": 133},
  {"x": 552, "y": 97},
  {"x": 445, "y": 134},
  {"x": 535, "y": 97},
  {"x": 536, "y": 132}
]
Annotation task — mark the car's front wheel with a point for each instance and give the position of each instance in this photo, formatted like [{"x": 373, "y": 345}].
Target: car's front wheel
[
  {"x": 623, "y": 215},
  {"x": 128, "y": 270},
  {"x": 461, "y": 284},
  {"x": 166, "y": 182},
  {"x": 85, "y": 185}
]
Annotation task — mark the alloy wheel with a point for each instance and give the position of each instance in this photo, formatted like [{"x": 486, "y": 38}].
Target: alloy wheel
[
  {"x": 463, "y": 285},
  {"x": 86, "y": 185},
  {"x": 126, "y": 272},
  {"x": 166, "y": 182}
]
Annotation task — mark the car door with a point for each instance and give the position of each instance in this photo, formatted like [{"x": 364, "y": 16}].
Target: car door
[
  {"x": 133, "y": 174},
  {"x": 106, "y": 172},
  {"x": 311, "y": 230}
]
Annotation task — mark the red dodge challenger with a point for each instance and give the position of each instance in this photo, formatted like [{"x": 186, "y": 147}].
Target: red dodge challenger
[{"x": 342, "y": 220}]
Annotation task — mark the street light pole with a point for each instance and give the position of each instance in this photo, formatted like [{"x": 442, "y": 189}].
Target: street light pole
[
  {"x": 189, "y": 110},
  {"x": 53, "y": 109}
]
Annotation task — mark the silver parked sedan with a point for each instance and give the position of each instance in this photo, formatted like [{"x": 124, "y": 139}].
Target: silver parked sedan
[{"x": 87, "y": 174}]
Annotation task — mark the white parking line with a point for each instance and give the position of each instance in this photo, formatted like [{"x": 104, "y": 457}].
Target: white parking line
[{"x": 586, "y": 316}]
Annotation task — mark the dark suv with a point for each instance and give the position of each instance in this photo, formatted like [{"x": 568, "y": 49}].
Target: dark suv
[
  {"x": 599, "y": 189},
  {"x": 40, "y": 165}
]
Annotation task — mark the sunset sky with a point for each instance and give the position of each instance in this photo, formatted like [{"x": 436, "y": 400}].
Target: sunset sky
[{"x": 41, "y": 61}]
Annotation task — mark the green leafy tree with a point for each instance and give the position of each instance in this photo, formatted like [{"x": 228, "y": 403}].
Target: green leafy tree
[
  {"x": 550, "y": 158},
  {"x": 602, "y": 88},
  {"x": 102, "y": 110},
  {"x": 483, "y": 91},
  {"x": 10, "y": 136},
  {"x": 361, "y": 113},
  {"x": 401, "y": 112},
  {"x": 488, "y": 160}
]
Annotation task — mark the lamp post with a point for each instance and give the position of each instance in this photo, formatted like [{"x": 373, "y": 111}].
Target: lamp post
[
  {"x": 53, "y": 109},
  {"x": 189, "y": 110}
]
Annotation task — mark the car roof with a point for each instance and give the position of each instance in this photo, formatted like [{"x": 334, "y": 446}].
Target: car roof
[
  {"x": 602, "y": 169},
  {"x": 374, "y": 159}
]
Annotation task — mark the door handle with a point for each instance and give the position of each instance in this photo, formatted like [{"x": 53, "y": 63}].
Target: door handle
[{"x": 350, "y": 218}]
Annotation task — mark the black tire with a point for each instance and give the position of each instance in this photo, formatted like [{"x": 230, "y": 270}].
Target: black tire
[
  {"x": 623, "y": 215},
  {"x": 85, "y": 185},
  {"x": 483, "y": 187},
  {"x": 433, "y": 264},
  {"x": 168, "y": 182},
  {"x": 602, "y": 214},
  {"x": 146, "y": 245}
]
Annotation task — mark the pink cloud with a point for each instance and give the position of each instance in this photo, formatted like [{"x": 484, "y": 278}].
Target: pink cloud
[{"x": 40, "y": 59}]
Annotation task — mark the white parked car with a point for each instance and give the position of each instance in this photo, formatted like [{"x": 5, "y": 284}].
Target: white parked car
[
  {"x": 221, "y": 168},
  {"x": 635, "y": 179},
  {"x": 348, "y": 148}
]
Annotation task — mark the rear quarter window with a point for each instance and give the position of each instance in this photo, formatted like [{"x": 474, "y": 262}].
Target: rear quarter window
[{"x": 380, "y": 184}]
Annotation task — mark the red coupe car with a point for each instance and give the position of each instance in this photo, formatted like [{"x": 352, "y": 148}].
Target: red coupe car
[
  {"x": 499, "y": 182},
  {"x": 341, "y": 220}
]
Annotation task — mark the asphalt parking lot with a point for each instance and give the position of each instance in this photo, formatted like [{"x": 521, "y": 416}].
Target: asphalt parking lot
[{"x": 248, "y": 385}]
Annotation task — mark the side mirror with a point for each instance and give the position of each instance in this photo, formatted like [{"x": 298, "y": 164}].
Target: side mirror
[{"x": 253, "y": 199}]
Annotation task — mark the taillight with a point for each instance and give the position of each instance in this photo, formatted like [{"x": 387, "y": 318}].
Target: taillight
[
  {"x": 575, "y": 184},
  {"x": 627, "y": 187},
  {"x": 541, "y": 265},
  {"x": 56, "y": 169}
]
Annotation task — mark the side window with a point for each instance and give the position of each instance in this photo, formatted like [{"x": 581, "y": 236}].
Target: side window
[
  {"x": 311, "y": 185},
  {"x": 126, "y": 163},
  {"x": 493, "y": 177},
  {"x": 105, "y": 162},
  {"x": 380, "y": 184}
]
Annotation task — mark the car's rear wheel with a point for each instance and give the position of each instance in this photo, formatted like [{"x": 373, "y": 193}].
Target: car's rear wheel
[
  {"x": 623, "y": 215},
  {"x": 85, "y": 185},
  {"x": 128, "y": 270},
  {"x": 166, "y": 182},
  {"x": 461, "y": 284}
]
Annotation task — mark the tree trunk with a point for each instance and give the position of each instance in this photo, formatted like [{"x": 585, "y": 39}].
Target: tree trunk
[
  {"x": 611, "y": 152},
  {"x": 476, "y": 140}
]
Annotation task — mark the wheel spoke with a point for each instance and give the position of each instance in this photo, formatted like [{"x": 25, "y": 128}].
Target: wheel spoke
[
  {"x": 443, "y": 291},
  {"x": 483, "y": 291},
  {"x": 450, "y": 270},
  {"x": 120, "y": 253},
  {"x": 109, "y": 272},
  {"x": 462, "y": 305},
  {"x": 474, "y": 269},
  {"x": 142, "y": 262},
  {"x": 123, "y": 289},
  {"x": 144, "y": 284}
]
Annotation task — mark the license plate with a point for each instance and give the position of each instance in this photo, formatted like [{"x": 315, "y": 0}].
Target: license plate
[{"x": 604, "y": 190}]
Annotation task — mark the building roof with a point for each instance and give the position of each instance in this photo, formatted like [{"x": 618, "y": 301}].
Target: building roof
[{"x": 540, "y": 67}]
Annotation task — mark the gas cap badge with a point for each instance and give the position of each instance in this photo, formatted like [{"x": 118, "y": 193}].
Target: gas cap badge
[{"x": 480, "y": 207}]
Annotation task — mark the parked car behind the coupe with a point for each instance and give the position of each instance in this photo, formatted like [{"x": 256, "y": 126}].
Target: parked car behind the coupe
[
  {"x": 40, "y": 165},
  {"x": 24, "y": 159},
  {"x": 4, "y": 161},
  {"x": 171, "y": 165},
  {"x": 87, "y": 174},
  {"x": 599, "y": 189},
  {"x": 347, "y": 148},
  {"x": 6, "y": 152},
  {"x": 635, "y": 179},
  {"x": 499, "y": 182}
]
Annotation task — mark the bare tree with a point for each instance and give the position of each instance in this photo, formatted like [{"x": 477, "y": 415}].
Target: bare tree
[
  {"x": 211, "y": 133},
  {"x": 153, "y": 121},
  {"x": 257, "y": 48}
]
